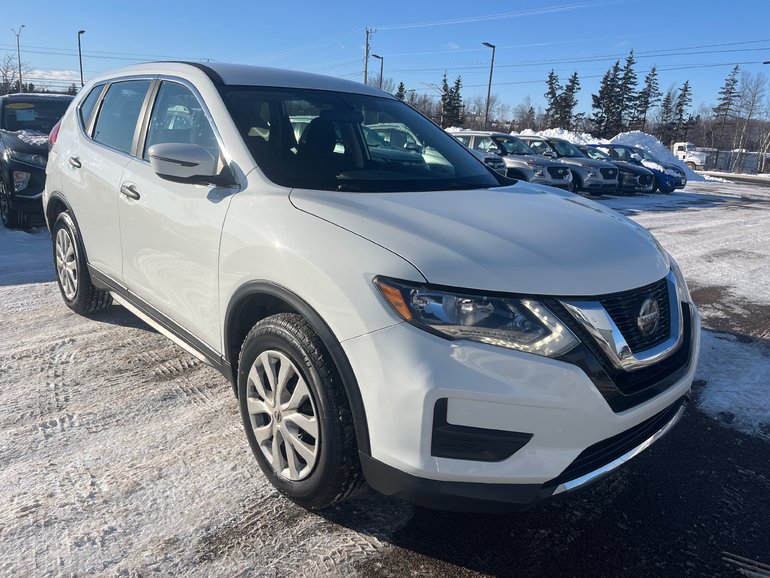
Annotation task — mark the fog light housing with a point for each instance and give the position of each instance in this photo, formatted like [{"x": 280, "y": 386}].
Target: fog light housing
[{"x": 20, "y": 180}]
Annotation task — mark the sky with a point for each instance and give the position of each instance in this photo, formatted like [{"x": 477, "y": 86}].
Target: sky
[{"x": 699, "y": 41}]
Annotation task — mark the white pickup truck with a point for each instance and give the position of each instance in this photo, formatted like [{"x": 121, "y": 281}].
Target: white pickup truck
[{"x": 687, "y": 153}]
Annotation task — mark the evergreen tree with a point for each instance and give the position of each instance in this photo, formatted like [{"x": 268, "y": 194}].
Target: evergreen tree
[
  {"x": 608, "y": 111},
  {"x": 729, "y": 95},
  {"x": 667, "y": 117},
  {"x": 446, "y": 98},
  {"x": 568, "y": 101},
  {"x": 72, "y": 89},
  {"x": 458, "y": 113},
  {"x": 552, "y": 96},
  {"x": 401, "y": 91},
  {"x": 647, "y": 98},
  {"x": 682, "y": 103},
  {"x": 627, "y": 91}
]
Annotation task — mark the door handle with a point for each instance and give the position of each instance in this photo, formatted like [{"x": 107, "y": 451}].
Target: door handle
[
  {"x": 129, "y": 190},
  {"x": 74, "y": 162}
]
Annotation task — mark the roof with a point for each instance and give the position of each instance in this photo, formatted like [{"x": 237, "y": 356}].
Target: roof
[{"x": 245, "y": 75}]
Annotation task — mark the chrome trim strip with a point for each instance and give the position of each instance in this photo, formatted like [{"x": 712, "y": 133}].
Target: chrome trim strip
[
  {"x": 595, "y": 319},
  {"x": 616, "y": 463}
]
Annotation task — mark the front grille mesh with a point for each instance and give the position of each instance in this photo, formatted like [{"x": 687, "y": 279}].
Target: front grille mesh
[
  {"x": 609, "y": 173},
  {"x": 624, "y": 309},
  {"x": 558, "y": 172}
]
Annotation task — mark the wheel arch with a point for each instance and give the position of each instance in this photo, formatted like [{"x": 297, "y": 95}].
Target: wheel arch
[{"x": 257, "y": 300}]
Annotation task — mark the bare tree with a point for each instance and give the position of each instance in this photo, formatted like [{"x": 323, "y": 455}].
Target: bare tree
[{"x": 752, "y": 95}]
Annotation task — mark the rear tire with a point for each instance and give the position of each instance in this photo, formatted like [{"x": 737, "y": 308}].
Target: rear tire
[
  {"x": 72, "y": 275},
  {"x": 296, "y": 414}
]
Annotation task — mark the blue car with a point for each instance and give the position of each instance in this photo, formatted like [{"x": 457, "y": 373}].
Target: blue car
[{"x": 668, "y": 177}]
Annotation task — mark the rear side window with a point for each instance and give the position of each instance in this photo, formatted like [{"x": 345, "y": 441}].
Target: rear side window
[
  {"x": 116, "y": 123},
  {"x": 88, "y": 105}
]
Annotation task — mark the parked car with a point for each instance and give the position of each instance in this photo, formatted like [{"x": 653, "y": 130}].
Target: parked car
[
  {"x": 668, "y": 177},
  {"x": 443, "y": 337},
  {"x": 522, "y": 163},
  {"x": 400, "y": 136},
  {"x": 589, "y": 175},
  {"x": 632, "y": 177},
  {"x": 25, "y": 121}
]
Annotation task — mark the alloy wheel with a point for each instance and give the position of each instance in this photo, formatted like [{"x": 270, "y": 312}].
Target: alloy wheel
[
  {"x": 66, "y": 264},
  {"x": 283, "y": 415}
]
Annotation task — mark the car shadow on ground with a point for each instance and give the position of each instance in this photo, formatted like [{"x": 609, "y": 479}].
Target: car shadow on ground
[
  {"x": 119, "y": 315},
  {"x": 692, "y": 504}
]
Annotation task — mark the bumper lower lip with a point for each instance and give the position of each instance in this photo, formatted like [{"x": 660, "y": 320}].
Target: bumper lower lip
[{"x": 618, "y": 462}]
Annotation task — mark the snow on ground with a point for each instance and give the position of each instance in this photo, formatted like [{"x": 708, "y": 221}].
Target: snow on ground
[{"x": 121, "y": 454}]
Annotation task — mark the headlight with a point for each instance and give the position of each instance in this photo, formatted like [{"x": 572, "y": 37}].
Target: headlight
[
  {"x": 674, "y": 173},
  {"x": 681, "y": 285},
  {"x": 38, "y": 160},
  {"x": 539, "y": 172},
  {"x": 516, "y": 323}
]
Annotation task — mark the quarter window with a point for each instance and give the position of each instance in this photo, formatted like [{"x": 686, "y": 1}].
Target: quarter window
[
  {"x": 88, "y": 105},
  {"x": 116, "y": 123}
]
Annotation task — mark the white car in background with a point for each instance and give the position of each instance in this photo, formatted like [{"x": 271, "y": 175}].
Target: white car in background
[{"x": 414, "y": 325}]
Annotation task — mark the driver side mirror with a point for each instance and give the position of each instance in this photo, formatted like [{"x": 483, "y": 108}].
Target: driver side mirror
[
  {"x": 550, "y": 154},
  {"x": 636, "y": 157},
  {"x": 187, "y": 163}
]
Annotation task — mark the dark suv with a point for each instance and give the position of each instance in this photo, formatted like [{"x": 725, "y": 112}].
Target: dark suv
[{"x": 25, "y": 121}]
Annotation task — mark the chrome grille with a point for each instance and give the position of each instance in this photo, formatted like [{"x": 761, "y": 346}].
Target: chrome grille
[
  {"x": 558, "y": 172},
  {"x": 624, "y": 309}
]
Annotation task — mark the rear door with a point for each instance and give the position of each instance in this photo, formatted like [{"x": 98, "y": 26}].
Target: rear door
[
  {"x": 170, "y": 231},
  {"x": 93, "y": 165}
]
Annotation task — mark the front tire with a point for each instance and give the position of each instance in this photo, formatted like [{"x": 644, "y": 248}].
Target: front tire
[
  {"x": 296, "y": 414},
  {"x": 577, "y": 184},
  {"x": 11, "y": 218},
  {"x": 72, "y": 275}
]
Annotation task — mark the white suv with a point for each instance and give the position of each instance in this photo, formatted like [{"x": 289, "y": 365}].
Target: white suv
[{"x": 389, "y": 318}]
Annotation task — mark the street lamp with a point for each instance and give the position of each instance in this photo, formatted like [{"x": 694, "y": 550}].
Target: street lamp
[
  {"x": 18, "y": 51},
  {"x": 489, "y": 88},
  {"x": 80, "y": 56},
  {"x": 382, "y": 61}
]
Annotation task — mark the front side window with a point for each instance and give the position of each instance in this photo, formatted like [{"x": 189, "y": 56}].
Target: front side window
[
  {"x": 484, "y": 144},
  {"x": 539, "y": 146},
  {"x": 116, "y": 123},
  {"x": 177, "y": 117},
  {"x": 327, "y": 140}
]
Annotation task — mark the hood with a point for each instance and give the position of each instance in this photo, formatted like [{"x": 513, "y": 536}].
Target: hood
[
  {"x": 26, "y": 141},
  {"x": 537, "y": 160},
  {"x": 519, "y": 239},
  {"x": 586, "y": 161},
  {"x": 631, "y": 168}
]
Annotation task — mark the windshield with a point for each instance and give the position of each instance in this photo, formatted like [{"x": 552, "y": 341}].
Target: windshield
[
  {"x": 565, "y": 149},
  {"x": 513, "y": 146},
  {"x": 326, "y": 140},
  {"x": 645, "y": 154},
  {"x": 34, "y": 114},
  {"x": 594, "y": 153}
]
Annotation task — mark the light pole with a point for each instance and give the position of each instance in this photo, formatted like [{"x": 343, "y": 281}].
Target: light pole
[
  {"x": 80, "y": 56},
  {"x": 489, "y": 88},
  {"x": 18, "y": 51},
  {"x": 382, "y": 61}
]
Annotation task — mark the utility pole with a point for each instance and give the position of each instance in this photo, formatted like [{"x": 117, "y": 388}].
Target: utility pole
[
  {"x": 369, "y": 32},
  {"x": 18, "y": 51}
]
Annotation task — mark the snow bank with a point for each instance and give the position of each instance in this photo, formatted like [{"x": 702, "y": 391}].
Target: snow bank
[
  {"x": 578, "y": 138},
  {"x": 638, "y": 138}
]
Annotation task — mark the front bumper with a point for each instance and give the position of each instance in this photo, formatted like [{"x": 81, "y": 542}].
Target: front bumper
[{"x": 405, "y": 373}]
